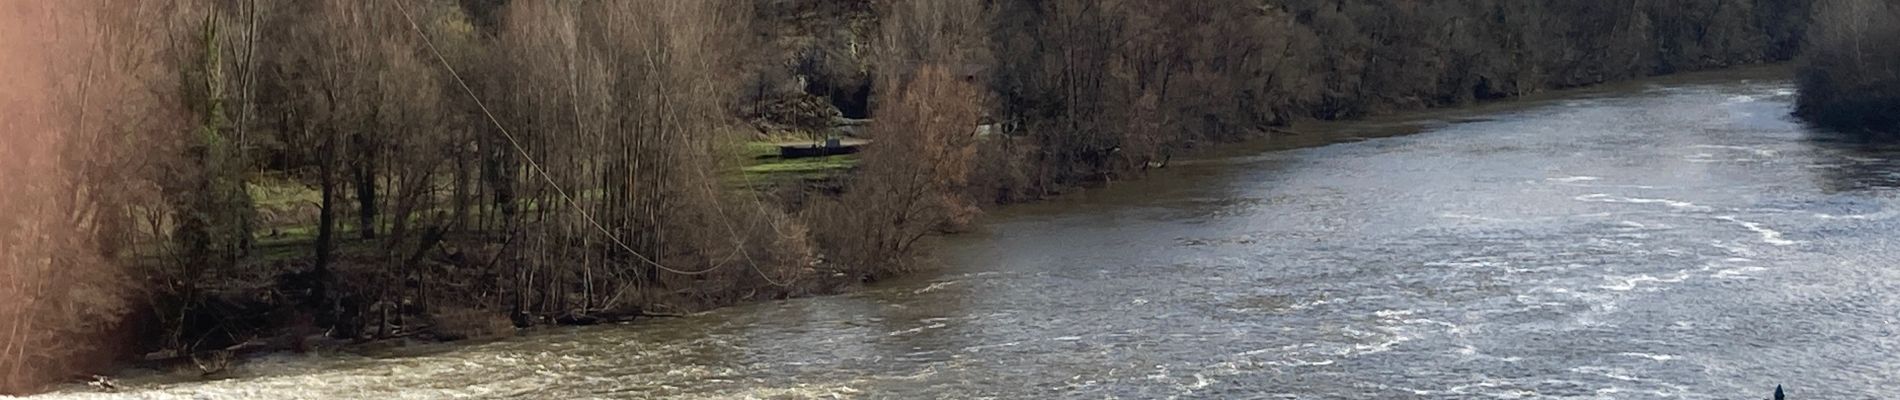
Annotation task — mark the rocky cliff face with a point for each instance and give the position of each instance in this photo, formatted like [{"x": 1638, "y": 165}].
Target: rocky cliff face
[{"x": 814, "y": 63}]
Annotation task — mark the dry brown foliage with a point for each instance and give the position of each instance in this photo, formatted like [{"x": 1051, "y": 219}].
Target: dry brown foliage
[
  {"x": 84, "y": 91},
  {"x": 914, "y": 179},
  {"x": 626, "y": 108}
]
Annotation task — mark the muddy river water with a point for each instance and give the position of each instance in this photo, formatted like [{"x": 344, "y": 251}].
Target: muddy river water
[{"x": 1672, "y": 238}]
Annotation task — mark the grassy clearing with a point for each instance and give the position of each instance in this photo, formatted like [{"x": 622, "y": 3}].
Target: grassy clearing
[
  {"x": 776, "y": 170},
  {"x": 828, "y": 164},
  {"x": 763, "y": 168},
  {"x": 288, "y": 208},
  {"x": 760, "y": 150}
]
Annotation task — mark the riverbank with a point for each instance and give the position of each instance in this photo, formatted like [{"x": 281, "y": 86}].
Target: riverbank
[
  {"x": 1176, "y": 179},
  {"x": 1850, "y": 75},
  {"x": 1609, "y": 242}
]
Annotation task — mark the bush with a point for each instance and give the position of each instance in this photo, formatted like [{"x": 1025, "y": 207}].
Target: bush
[
  {"x": 914, "y": 178},
  {"x": 1850, "y": 75}
]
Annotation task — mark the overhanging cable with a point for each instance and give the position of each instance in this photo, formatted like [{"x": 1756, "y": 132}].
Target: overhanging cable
[{"x": 542, "y": 172}]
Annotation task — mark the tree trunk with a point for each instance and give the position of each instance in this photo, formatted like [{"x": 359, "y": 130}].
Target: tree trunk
[
  {"x": 326, "y": 216},
  {"x": 365, "y": 184}
]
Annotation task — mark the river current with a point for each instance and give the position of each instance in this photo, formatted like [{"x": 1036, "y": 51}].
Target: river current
[{"x": 1672, "y": 238}]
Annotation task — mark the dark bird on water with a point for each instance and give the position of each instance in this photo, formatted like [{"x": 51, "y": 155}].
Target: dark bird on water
[{"x": 1778, "y": 395}]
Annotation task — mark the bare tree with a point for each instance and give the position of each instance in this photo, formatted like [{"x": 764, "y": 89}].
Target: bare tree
[
  {"x": 1850, "y": 74},
  {"x": 92, "y": 90}
]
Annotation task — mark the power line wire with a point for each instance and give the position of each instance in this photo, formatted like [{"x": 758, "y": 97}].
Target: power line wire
[{"x": 542, "y": 172}]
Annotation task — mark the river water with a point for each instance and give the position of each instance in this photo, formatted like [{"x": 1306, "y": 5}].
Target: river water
[{"x": 1671, "y": 238}]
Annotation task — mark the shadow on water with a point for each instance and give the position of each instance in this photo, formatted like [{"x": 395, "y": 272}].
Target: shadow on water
[{"x": 1857, "y": 162}]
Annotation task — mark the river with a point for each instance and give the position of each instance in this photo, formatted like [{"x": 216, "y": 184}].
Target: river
[{"x": 1679, "y": 237}]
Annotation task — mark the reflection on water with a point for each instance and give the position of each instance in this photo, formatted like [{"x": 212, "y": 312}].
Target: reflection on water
[
  {"x": 1675, "y": 238},
  {"x": 1858, "y": 167}
]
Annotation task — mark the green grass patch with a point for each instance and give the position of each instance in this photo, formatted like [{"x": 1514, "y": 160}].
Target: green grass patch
[
  {"x": 288, "y": 208},
  {"x": 763, "y": 168},
  {"x": 760, "y": 150},
  {"x": 802, "y": 167}
]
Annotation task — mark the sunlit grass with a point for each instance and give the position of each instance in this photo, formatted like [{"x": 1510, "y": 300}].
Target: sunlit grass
[
  {"x": 288, "y": 207},
  {"x": 801, "y": 168}
]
